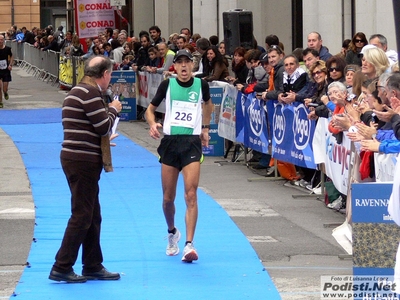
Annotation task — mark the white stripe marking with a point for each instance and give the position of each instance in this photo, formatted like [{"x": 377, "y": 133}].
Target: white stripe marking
[
  {"x": 246, "y": 208},
  {"x": 17, "y": 210},
  {"x": 261, "y": 239}
]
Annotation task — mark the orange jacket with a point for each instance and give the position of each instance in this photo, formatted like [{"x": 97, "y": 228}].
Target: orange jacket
[{"x": 331, "y": 127}]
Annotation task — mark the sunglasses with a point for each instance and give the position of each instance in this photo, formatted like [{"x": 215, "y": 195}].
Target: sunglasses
[
  {"x": 276, "y": 48},
  {"x": 316, "y": 73},
  {"x": 358, "y": 41},
  {"x": 334, "y": 69}
]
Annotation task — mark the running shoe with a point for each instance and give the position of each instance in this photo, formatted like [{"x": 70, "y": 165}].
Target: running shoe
[
  {"x": 336, "y": 204},
  {"x": 189, "y": 253},
  {"x": 1, "y": 104},
  {"x": 173, "y": 240},
  {"x": 6, "y": 96},
  {"x": 301, "y": 183}
]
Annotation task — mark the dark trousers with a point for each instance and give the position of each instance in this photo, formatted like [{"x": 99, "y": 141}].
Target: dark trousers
[{"x": 85, "y": 222}]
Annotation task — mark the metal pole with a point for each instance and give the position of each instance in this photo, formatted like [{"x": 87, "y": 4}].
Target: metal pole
[
  {"x": 12, "y": 13},
  {"x": 74, "y": 59},
  {"x": 396, "y": 11}
]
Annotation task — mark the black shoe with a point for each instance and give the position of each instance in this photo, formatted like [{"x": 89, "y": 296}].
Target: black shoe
[
  {"x": 70, "y": 277},
  {"x": 259, "y": 167},
  {"x": 103, "y": 274}
]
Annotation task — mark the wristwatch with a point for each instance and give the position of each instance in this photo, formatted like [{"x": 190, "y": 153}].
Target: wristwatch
[{"x": 205, "y": 126}]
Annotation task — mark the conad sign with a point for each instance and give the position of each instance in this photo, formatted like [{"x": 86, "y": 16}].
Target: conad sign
[{"x": 92, "y": 17}]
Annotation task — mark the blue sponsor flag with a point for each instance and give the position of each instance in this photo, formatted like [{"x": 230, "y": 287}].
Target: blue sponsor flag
[
  {"x": 240, "y": 116},
  {"x": 255, "y": 125},
  {"x": 292, "y": 133}
]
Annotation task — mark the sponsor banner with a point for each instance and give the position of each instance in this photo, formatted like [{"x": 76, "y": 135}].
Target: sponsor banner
[
  {"x": 227, "y": 116},
  {"x": 337, "y": 160},
  {"x": 224, "y": 97},
  {"x": 292, "y": 133},
  {"x": 148, "y": 85},
  {"x": 370, "y": 201},
  {"x": 255, "y": 130},
  {"x": 215, "y": 144},
  {"x": 358, "y": 287},
  {"x": 92, "y": 17},
  {"x": 385, "y": 165},
  {"x": 240, "y": 116},
  {"x": 216, "y": 94},
  {"x": 336, "y": 156},
  {"x": 375, "y": 236},
  {"x": 123, "y": 86},
  {"x": 319, "y": 140}
]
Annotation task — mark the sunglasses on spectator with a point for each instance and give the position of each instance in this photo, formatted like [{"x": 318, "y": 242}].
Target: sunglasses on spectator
[
  {"x": 334, "y": 69},
  {"x": 358, "y": 41},
  {"x": 316, "y": 73},
  {"x": 276, "y": 48}
]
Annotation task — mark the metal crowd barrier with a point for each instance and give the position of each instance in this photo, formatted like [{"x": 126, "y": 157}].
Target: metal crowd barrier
[
  {"x": 49, "y": 65},
  {"x": 71, "y": 71},
  {"x": 17, "y": 51}
]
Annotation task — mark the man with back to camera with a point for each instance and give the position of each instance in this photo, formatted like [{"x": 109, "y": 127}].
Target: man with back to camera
[
  {"x": 86, "y": 124},
  {"x": 186, "y": 126},
  {"x": 271, "y": 40}
]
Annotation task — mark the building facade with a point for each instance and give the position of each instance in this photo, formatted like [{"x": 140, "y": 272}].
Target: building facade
[
  {"x": 19, "y": 12},
  {"x": 290, "y": 20}
]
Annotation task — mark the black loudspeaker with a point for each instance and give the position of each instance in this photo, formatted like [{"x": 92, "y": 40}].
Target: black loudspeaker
[{"x": 238, "y": 29}]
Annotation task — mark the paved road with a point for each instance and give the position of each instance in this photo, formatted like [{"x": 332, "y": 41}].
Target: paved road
[{"x": 288, "y": 234}]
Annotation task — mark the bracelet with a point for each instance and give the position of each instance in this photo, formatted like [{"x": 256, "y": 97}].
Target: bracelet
[{"x": 205, "y": 126}]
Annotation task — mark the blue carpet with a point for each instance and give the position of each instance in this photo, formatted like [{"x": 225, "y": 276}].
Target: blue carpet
[{"x": 133, "y": 228}]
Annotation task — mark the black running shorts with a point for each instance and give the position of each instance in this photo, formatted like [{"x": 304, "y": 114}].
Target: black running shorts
[
  {"x": 180, "y": 150},
  {"x": 5, "y": 75}
]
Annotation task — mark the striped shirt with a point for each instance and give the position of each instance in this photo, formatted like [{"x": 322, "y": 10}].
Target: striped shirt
[{"x": 85, "y": 120}]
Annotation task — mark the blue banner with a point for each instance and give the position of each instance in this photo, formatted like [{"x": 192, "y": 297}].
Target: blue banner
[
  {"x": 123, "y": 85},
  {"x": 375, "y": 235},
  {"x": 370, "y": 202},
  {"x": 292, "y": 133},
  {"x": 240, "y": 116},
  {"x": 216, "y": 143},
  {"x": 252, "y": 128}
]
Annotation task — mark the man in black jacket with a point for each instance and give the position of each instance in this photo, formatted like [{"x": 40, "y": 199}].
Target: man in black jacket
[
  {"x": 53, "y": 45},
  {"x": 143, "y": 59},
  {"x": 29, "y": 36}
]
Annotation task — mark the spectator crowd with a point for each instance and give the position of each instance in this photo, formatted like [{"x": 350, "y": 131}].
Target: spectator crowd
[{"x": 357, "y": 89}]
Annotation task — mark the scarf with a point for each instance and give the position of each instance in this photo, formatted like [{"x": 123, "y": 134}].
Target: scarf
[{"x": 292, "y": 78}]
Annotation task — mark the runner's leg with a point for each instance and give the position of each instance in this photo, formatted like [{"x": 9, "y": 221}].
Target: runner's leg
[
  {"x": 169, "y": 178},
  {"x": 191, "y": 176}
]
